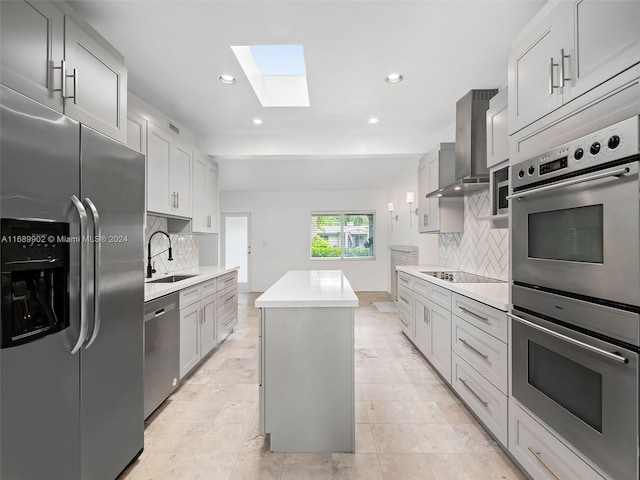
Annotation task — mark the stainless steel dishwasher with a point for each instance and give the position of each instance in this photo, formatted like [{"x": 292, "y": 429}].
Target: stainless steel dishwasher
[{"x": 161, "y": 350}]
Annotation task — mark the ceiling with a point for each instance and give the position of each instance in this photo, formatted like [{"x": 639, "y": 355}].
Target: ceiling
[{"x": 175, "y": 50}]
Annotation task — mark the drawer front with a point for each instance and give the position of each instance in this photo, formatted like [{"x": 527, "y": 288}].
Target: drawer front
[
  {"x": 405, "y": 280},
  {"x": 226, "y": 299},
  {"x": 208, "y": 288},
  {"x": 227, "y": 280},
  {"x": 486, "y": 401},
  {"x": 485, "y": 353},
  {"x": 541, "y": 453},
  {"x": 189, "y": 296},
  {"x": 435, "y": 293},
  {"x": 405, "y": 299},
  {"x": 489, "y": 319}
]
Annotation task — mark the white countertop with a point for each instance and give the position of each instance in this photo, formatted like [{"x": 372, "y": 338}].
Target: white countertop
[
  {"x": 202, "y": 274},
  {"x": 495, "y": 295},
  {"x": 309, "y": 288}
]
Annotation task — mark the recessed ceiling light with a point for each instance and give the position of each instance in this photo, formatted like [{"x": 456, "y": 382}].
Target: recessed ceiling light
[
  {"x": 457, "y": 188},
  {"x": 257, "y": 121},
  {"x": 394, "y": 78},
  {"x": 373, "y": 120},
  {"x": 439, "y": 195},
  {"x": 227, "y": 79}
]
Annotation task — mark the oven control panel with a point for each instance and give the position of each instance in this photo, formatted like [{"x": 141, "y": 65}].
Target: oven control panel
[{"x": 607, "y": 145}]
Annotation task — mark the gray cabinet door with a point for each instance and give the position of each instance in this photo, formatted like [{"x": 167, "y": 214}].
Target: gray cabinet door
[
  {"x": 97, "y": 93},
  {"x": 440, "y": 322},
  {"x": 606, "y": 42},
  {"x": 423, "y": 202},
  {"x": 31, "y": 36},
  {"x": 534, "y": 65},
  {"x": 423, "y": 338},
  {"x": 208, "y": 325},
  {"x": 160, "y": 197},
  {"x": 497, "y": 124}
]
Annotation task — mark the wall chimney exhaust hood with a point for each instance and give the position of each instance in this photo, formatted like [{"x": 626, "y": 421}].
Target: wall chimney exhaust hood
[{"x": 471, "y": 174}]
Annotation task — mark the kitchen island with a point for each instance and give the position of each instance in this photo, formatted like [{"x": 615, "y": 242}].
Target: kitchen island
[{"x": 307, "y": 384}]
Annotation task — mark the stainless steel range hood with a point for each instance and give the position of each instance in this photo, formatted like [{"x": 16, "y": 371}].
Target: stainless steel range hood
[{"x": 471, "y": 173}]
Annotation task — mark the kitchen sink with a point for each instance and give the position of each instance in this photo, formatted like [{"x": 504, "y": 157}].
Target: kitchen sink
[{"x": 171, "y": 279}]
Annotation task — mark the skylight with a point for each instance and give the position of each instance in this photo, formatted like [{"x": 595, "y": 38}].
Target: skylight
[{"x": 276, "y": 73}]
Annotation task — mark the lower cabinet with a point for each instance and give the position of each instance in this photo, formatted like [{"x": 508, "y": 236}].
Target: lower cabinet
[
  {"x": 207, "y": 316},
  {"x": 433, "y": 334},
  {"x": 541, "y": 453},
  {"x": 189, "y": 338},
  {"x": 483, "y": 398}
]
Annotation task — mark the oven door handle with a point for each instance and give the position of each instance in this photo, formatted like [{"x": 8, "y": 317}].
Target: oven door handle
[
  {"x": 615, "y": 173},
  {"x": 591, "y": 348}
]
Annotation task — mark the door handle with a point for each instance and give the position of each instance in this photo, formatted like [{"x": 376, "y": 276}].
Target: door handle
[
  {"x": 474, "y": 314},
  {"x": 551, "y": 85},
  {"x": 578, "y": 343},
  {"x": 84, "y": 247},
  {"x": 562, "y": 77},
  {"x": 615, "y": 173},
  {"x": 97, "y": 264},
  {"x": 473, "y": 349}
]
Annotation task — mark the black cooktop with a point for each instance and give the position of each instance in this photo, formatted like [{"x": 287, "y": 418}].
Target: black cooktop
[{"x": 456, "y": 276}]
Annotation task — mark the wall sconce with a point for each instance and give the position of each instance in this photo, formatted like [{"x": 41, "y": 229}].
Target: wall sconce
[
  {"x": 393, "y": 217},
  {"x": 410, "y": 199}
]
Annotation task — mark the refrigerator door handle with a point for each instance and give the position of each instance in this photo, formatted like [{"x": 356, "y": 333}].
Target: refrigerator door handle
[
  {"x": 97, "y": 263},
  {"x": 84, "y": 251}
]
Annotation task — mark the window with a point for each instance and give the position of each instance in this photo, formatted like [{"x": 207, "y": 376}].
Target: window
[{"x": 342, "y": 235}]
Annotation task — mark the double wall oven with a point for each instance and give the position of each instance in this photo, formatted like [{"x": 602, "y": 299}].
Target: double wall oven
[{"x": 576, "y": 293}]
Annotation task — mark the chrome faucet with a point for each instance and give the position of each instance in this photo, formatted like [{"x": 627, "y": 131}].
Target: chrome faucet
[{"x": 150, "y": 269}]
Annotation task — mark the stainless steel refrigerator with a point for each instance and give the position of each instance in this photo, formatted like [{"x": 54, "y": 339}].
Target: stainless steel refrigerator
[{"x": 71, "y": 362}]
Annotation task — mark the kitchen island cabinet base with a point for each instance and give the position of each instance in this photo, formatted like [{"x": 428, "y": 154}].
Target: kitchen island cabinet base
[{"x": 307, "y": 385}]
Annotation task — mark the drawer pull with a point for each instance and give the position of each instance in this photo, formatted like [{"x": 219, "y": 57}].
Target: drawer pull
[
  {"x": 404, "y": 300},
  {"x": 473, "y": 349},
  {"x": 539, "y": 458},
  {"x": 464, "y": 382},
  {"x": 230, "y": 297},
  {"x": 473, "y": 314},
  {"x": 404, "y": 280},
  {"x": 402, "y": 320},
  {"x": 426, "y": 314}
]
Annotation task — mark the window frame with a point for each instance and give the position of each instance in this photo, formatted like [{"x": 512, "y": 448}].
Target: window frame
[{"x": 342, "y": 214}]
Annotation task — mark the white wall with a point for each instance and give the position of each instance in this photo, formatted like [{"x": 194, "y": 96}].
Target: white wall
[{"x": 281, "y": 234}]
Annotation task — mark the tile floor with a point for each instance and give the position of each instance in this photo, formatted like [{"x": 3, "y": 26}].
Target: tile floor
[{"x": 408, "y": 423}]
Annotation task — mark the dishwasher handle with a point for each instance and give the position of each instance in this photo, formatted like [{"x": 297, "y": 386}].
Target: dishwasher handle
[{"x": 158, "y": 312}]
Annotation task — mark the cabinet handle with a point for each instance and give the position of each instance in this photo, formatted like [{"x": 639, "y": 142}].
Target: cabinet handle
[
  {"x": 562, "y": 77},
  {"x": 551, "y": 85},
  {"x": 404, "y": 300},
  {"x": 404, "y": 280},
  {"x": 538, "y": 456},
  {"x": 426, "y": 314},
  {"x": 464, "y": 382},
  {"x": 473, "y": 349},
  {"x": 63, "y": 81},
  {"x": 474, "y": 314},
  {"x": 177, "y": 199},
  {"x": 424, "y": 219}
]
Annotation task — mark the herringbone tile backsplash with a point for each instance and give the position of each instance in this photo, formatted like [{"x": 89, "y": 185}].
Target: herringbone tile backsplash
[
  {"x": 184, "y": 247},
  {"x": 479, "y": 249}
]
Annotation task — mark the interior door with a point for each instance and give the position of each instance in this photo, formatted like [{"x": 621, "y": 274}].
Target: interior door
[{"x": 236, "y": 246}]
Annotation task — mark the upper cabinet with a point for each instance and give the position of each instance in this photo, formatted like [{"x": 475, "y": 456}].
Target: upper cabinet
[
  {"x": 169, "y": 174},
  {"x": 205, "y": 195},
  {"x": 497, "y": 129},
  {"x": 575, "y": 47},
  {"x": 438, "y": 215},
  {"x": 64, "y": 64}
]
